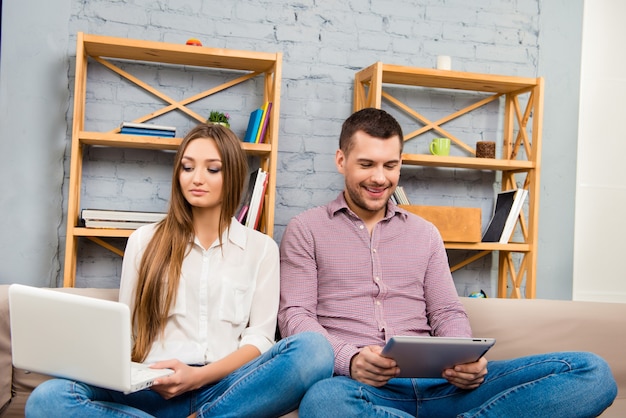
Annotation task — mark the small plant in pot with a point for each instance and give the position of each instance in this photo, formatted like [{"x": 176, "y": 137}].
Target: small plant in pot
[{"x": 219, "y": 118}]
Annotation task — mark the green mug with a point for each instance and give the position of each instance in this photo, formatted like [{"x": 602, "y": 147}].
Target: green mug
[{"x": 440, "y": 146}]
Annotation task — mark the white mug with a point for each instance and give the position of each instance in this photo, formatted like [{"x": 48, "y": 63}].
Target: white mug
[{"x": 444, "y": 62}]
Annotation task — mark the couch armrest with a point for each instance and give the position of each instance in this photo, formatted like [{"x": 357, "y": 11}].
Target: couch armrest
[{"x": 532, "y": 326}]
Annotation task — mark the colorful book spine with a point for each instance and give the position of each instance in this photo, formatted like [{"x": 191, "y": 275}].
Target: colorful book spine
[
  {"x": 253, "y": 125},
  {"x": 266, "y": 118},
  {"x": 263, "y": 114}
]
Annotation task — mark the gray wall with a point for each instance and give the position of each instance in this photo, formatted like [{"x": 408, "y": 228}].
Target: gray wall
[
  {"x": 323, "y": 43},
  {"x": 559, "y": 63},
  {"x": 34, "y": 99}
]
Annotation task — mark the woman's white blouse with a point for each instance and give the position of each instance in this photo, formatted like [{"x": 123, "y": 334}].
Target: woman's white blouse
[{"x": 227, "y": 297}]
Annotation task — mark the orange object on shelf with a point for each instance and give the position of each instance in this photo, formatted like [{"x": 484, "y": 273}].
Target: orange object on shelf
[{"x": 194, "y": 41}]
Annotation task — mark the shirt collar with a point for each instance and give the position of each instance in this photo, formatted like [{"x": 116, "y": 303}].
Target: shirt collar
[
  {"x": 235, "y": 234},
  {"x": 340, "y": 205}
]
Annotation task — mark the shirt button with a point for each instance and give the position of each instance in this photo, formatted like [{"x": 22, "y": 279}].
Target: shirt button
[
  {"x": 376, "y": 279},
  {"x": 361, "y": 226},
  {"x": 378, "y": 302},
  {"x": 374, "y": 250}
]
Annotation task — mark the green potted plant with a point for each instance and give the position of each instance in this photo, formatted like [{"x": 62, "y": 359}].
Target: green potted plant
[{"x": 219, "y": 118}]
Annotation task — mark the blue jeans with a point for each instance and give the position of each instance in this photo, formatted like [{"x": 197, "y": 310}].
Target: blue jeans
[
  {"x": 553, "y": 385},
  {"x": 270, "y": 385}
]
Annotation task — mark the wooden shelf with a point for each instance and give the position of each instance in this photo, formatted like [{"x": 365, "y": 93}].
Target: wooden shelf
[
  {"x": 104, "y": 139},
  {"x": 521, "y": 149},
  {"x": 466, "y": 162},
  {"x": 102, "y": 232},
  {"x": 151, "y": 142},
  {"x": 111, "y": 53},
  {"x": 152, "y": 51},
  {"x": 444, "y": 79},
  {"x": 489, "y": 246}
]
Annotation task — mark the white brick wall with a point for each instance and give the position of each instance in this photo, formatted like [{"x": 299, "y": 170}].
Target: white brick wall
[{"x": 324, "y": 43}]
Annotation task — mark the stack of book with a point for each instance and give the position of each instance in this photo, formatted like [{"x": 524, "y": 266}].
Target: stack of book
[
  {"x": 399, "y": 196},
  {"x": 118, "y": 219},
  {"x": 249, "y": 214},
  {"x": 257, "y": 124},
  {"x": 148, "y": 129}
]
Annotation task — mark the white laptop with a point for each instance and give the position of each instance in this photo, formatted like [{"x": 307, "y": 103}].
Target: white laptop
[
  {"x": 75, "y": 337},
  {"x": 430, "y": 356}
]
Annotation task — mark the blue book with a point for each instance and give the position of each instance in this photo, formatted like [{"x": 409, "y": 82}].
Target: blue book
[
  {"x": 149, "y": 132},
  {"x": 253, "y": 125},
  {"x": 147, "y": 126}
]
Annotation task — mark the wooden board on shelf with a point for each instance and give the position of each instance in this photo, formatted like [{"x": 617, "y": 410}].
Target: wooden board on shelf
[
  {"x": 433, "y": 78},
  {"x": 455, "y": 224},
  {"x": 153, "y": 51}
]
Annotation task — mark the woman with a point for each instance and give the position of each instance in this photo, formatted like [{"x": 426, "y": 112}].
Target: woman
[{"x": 203, "y": 291}]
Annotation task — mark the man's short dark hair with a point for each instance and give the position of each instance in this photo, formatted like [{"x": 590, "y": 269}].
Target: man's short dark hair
[{"x": 374, "y": 122}]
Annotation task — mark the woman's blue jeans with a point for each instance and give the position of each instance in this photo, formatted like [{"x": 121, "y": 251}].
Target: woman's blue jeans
[
  {"x": 270, "y": 385},
  {"x": 568, "y": 385}
]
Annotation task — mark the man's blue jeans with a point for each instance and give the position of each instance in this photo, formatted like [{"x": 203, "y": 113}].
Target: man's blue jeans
[
  {"x": 270, "y": 385},
  {"x": 553, "y": 385}
]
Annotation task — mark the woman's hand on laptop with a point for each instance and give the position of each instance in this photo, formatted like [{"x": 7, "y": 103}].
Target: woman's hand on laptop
[
  {"x": 467, "y": 376},
  {"x": 369, "y": 367},
  {"x": 184, "y": 379}
]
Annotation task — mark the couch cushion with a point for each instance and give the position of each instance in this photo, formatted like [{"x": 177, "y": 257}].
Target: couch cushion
[{"x": 533, "y": 326}]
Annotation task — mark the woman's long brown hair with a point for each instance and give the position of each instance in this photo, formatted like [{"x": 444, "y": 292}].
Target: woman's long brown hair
[{"x": 160, "y": 268}]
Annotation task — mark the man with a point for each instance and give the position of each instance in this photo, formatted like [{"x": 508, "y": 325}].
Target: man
[{"x": 361, "y": 270}]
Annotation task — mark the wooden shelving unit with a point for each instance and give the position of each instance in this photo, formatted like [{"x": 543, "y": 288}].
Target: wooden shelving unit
[
  {"x": 520, "y": 155},
  {"x": 108, "y": 52}
]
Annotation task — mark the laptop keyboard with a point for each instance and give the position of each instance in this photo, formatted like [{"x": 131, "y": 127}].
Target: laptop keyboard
[{"x": 140, "y": 372}]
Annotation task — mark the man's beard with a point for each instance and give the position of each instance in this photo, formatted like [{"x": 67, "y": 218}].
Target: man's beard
[{"x": 365, "y": 204}]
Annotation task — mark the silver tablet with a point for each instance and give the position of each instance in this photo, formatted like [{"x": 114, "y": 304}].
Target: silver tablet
[{"x": 430, "y": 356}]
